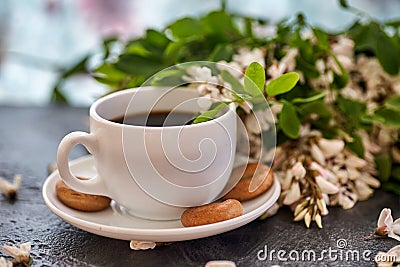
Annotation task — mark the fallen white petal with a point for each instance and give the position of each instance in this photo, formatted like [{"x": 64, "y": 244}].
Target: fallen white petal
[
  {"x": 5, "y": 263},
  {"x": 395, "y": 251},
  {"x": 325, "y": 186},
  {"x": 385, "y": 218},
  {"x": 21, "y": 253},
  {"x": 142, "y": 245},
  {"x": 220, "y": 264},
  {"x": 394, "y": 230},
  {"x": 10, "y": 189}
]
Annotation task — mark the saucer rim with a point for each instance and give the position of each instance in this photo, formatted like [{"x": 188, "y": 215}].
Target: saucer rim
[{"x": 175, "y": 234}]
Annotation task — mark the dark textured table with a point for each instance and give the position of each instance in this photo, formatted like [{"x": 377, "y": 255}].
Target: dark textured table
[{"x": 28, "y": 142}]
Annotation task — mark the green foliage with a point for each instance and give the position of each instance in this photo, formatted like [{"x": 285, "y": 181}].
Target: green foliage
[
  {"x": 283, "y": 84},
  {"x": 384, "y": 165},
  {"x": 372, "y": 38},
  {"x": 289, "y": 121},
  {"x": 210, "y": 114}
]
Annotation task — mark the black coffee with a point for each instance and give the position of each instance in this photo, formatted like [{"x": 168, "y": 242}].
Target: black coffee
[{"x": 157, "y": 119}]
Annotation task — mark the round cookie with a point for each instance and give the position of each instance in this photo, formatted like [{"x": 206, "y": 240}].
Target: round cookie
[
  {"x": 264, "y": 178},
  {"x": 211, "y": 213},
  {"x": 80, "y": 201}
]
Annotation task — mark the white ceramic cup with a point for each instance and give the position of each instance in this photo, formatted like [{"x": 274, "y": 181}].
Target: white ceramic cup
[{"x": 154, "y": 172}]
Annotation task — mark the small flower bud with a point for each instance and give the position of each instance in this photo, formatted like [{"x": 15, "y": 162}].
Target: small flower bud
[
  {"x": 301, "y": 215},
  {"x": 300, "y": 207},
  {"x": 307, "y": 219},
  {"x": 318, "y": 220}
]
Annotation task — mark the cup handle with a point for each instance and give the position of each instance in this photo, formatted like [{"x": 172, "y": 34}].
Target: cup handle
[{"x": 92, "y": 186}]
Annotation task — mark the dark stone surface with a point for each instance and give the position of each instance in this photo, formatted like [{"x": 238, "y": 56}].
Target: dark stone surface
[{"x": 28, "y": 141}]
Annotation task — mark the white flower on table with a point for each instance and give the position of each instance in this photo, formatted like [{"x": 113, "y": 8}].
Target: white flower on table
[
  {"x": 21, "y": 254},
  {"x": 8, "y": 189},
  {"x": 220, "y": 263},
  {"x": 386, "y": 226},
  {"x": 5, "y": 263},
  {"x": 142, "y": 245}
]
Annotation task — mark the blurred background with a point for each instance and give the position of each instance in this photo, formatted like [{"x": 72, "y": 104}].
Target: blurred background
[{"x": 40, "y": 37}]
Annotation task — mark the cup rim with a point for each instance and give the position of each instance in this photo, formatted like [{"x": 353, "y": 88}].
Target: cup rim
[{"x": 94, "y": 115}]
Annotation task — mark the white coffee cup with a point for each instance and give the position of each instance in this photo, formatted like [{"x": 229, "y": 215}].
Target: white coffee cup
[{"x": 154, "y": 172}]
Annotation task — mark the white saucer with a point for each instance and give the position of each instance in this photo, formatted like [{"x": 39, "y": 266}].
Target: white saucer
[{"x": 115, "y": 222}]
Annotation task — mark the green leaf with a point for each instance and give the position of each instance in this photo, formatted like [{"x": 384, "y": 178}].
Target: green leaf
[
  {"x": 392, "y": 187},
  {"x": 220, "y": 23},
  {"x": 393, "y": 23},
  {"x": 157, "y": 38},
  {"x": 344, "y": 4},
  {"x": 354, "y": 110},
  {"x": 339, "y": 79},
  {"x": 254, "y": 76},
  {"x": 389, "y": 117},
  {"x": 393, "y": 103},
  {"x": 210, "y": 114},
  {"x": 138, "y": 65},
  {"x": 282, "y": 84},
  {"x": 235, "y": 83},
  {"x": 396, "y": 173},
  {"x": 58, "y": 96},
  {"x": 108, "y": 70},
  {"x": 78, "y": 68},
  {"x": 136, "y": 48},
  {"x": 289, "y": 121},
  {"x": 384, "y": 166},
  {"x": 168, "y": 77},
  {"x": 356, "y": 146},
  {"x": 316, "y": 107},
  {"x": 365, "y": 36},
  {"x": 185, "y": 27},
  {"x": 322, "y": 38},
  {"x": 171, "y": 53},
  {"x": 310, "y": 99},
  {"x": 387, "y": 54},
  {"x": 222, "y": 52}
]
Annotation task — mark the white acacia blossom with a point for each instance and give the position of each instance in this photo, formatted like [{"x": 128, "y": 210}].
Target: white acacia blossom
[{"x": 387, "y": 226}]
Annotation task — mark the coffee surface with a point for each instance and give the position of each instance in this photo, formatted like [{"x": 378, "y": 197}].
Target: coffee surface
[{"x": 156, "y": 119}]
